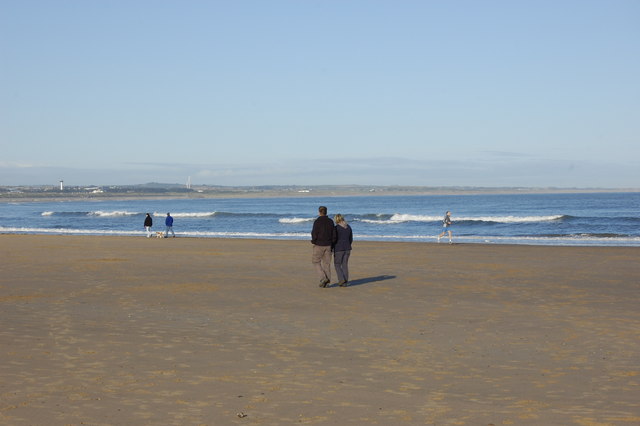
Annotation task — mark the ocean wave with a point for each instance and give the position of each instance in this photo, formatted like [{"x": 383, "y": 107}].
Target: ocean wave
[
  {"x": 116, "y": 213},
  {"x": 188, "y": 215},
  {"x": 54, "y": 213},
  {"x": 220, "y": 214},
  {"x": 66, "y": 231},
  {"x": 586, "y": 235},
  {"x": 511, "y": 219},
  {"x": 575, "y": 240},
  {"x": 98, "y": 213},
  {"x": 402, "y": 218},
  {"x": 568, "y": 240},
  {"x": 295, "y": 220},
  {"x": 124, "y": 213},
  {"x": 379, "y": 219}
]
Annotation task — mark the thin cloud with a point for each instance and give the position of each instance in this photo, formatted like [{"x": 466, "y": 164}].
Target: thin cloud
[{"x": 506, "y": 154}]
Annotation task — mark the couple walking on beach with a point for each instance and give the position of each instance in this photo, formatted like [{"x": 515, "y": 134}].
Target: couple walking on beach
[
  {"x": 328, "y": 238},
  {"x": 148, "y": 223}
]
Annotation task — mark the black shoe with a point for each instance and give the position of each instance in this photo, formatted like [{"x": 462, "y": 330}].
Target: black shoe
[
  {"x": 344, "y": 284},
  {"x": 323, "y": 283}
]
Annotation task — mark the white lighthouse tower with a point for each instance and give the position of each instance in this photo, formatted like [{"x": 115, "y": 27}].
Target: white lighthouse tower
[{"x": 61, "y": 185}]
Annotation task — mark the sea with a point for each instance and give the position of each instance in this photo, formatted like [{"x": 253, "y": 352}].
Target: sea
[{"x": 558, "y": 219}]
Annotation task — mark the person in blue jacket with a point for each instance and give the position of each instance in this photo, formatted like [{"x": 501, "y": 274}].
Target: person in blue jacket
[
  {"x": 169, "y": 224},
  {"x": 342, "y": 249}
]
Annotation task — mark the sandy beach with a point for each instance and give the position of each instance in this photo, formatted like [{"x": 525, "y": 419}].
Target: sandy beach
[{"x": 186, "y": 331}]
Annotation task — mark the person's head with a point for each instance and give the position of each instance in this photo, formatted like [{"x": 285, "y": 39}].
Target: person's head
[
  {"x": 322, "y": 210},
  {"x": 448, "y": 213},
  {"x": 147, "y": 214},
  {"x": 168, "y": 214},
  {"x": 339, "y": 219}
]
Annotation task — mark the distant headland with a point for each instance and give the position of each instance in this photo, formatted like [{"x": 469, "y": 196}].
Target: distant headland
[{"x": 167, "y": 191}]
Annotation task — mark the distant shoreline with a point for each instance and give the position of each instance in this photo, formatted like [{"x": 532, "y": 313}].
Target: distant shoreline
[{"x": 289, "y": 192}]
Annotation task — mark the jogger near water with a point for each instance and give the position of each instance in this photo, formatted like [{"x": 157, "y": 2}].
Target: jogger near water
[{"x": 446, "y": 227}]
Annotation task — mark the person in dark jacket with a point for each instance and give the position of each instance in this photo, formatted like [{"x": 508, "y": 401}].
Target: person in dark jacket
[
  {"x": 323, "y": 236},
  {"x": 342, "y": 249},
  {"x": 148, "y": 223}
]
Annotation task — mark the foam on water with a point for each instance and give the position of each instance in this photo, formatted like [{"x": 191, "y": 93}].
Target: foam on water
[
  {"x": 400, "y": 218},
  {"x": 188, "y": 215},
  {"x": 113, "y": 213},
  {"x": 568, "y": 240},
  {"x": 194, "y": 234},
  {"x": 510, "y": 219},
  {"x": 296, "y": 220}
]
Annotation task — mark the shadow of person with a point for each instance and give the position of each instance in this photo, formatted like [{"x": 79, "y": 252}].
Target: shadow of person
[{"x": 369, "y": 280}]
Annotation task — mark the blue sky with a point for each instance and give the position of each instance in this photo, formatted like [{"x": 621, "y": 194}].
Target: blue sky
[{"x": 314, "y": 92}]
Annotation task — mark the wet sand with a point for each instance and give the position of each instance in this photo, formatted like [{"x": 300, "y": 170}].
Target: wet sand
[{"x": 124, "y": 331}]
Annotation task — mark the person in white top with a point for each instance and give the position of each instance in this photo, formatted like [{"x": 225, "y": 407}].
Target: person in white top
[{"x": 446, "y": 227}]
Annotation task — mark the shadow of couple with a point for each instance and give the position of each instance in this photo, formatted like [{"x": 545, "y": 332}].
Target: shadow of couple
[{"x": 368, "y": 280}]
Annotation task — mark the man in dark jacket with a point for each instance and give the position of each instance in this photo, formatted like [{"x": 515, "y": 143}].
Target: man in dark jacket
[{"x": 323, "y": 236}]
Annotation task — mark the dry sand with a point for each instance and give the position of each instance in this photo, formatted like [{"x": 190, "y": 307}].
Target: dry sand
[{"x": 136, "y": 331}]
